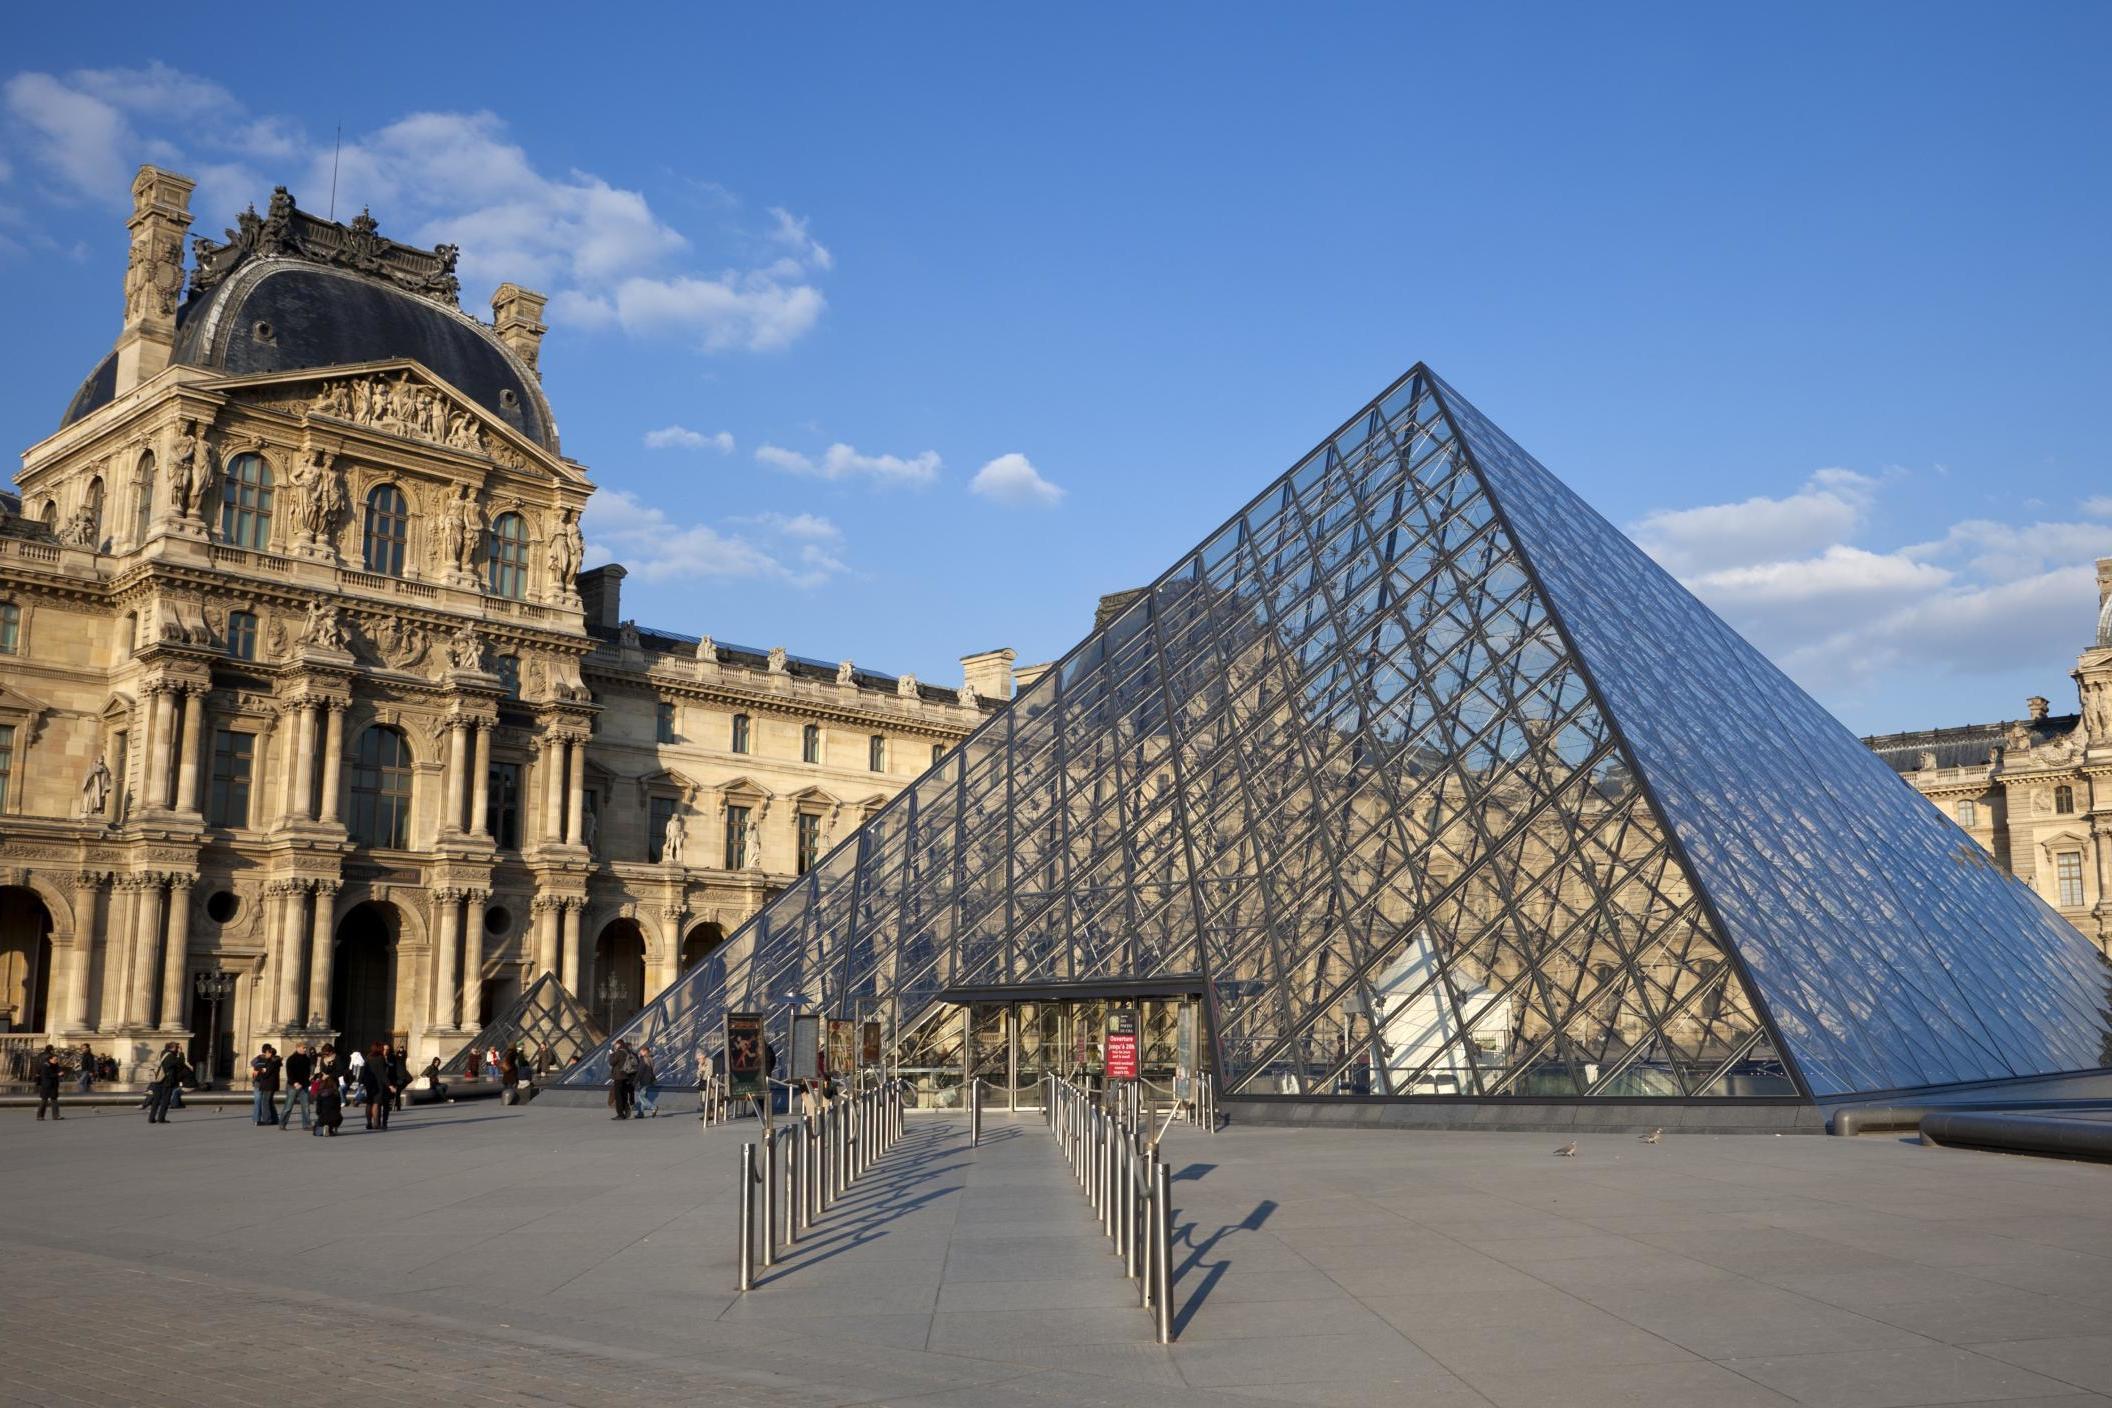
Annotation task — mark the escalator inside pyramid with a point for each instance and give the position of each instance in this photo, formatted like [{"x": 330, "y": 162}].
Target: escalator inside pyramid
[{"x": 1415, "y": 783}]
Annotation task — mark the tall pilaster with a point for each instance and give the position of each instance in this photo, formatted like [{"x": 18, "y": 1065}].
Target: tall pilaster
[
  {"x": 320, "y": 948},
  {"x": 176, "y": 952},
  {"x": 153, "y": 783},
  {"x": 473, "y": 959},
  {"x": 446, "y": 982},
  {"x": 91, "y": 891},
  {"x": 191, "y": 745},
  {"x": 576, "y": 793},
  {"x": 146, "y": 949},
  {"x": 480, "y": 781},
  {"x": 457, "y": 764},
  {"x": 570, "y": 977},
  {"x": 333, "y": 760},
  {"x": 294, "y": 895},
  {"x": 547, "y": 919},
  {"x": 304, "y": 763},
  {"x": 115, "y": 940}
]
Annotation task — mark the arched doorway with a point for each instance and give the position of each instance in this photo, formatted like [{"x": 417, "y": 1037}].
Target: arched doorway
[
  {"x": 363, "y": 976},
  {"x": 702, "y": 942},
  {"x": 618, "y": 986},
  {"x": 25, "y": 961}
]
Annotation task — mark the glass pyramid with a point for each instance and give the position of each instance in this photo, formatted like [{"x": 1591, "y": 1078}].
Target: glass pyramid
[
  {"x": 1418, "y": 769},
  {"x": 544, "y": 1016}
]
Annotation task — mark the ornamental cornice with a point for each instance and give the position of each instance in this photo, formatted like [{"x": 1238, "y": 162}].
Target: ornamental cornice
[{"x": 894, "y": 715}]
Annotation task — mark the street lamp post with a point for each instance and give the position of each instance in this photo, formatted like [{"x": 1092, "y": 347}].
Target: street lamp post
[{"x": 214, "y": 988}]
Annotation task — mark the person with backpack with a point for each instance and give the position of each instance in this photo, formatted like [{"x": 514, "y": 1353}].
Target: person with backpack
[
  {"x": 169, "y": 1072},
  {"x": 264, "y": 1085},
  {"x": 329, "y": 1102},
  {"x": 646, "y": 1083},
  {"x": 300, "y": 1072},
  {"x": 622, "y": 1069},
  {"x": 47, "y": 1072}
]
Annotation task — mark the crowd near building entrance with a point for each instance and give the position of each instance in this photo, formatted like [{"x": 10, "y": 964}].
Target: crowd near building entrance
[{"x": 363, "y": 993}]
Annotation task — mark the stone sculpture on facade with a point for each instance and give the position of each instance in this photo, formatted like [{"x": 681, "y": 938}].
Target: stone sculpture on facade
[
  {"x": 968, "y": 697},
  {"x": 324, "y": 628},
  {"x": 778, "y": 658},
  {"x": 708, "y": 651},
  {"x": 464, "y": 650},
  {"x": 846, "y": 673},
  {"x": 672, "y": 839},
  {"x": 96, "y": 788},
  {"x": 458, "y": 533},
  {"x": 399, "y": 645},
  {"x": 81, "y": 528},
  {"x": 906, "y": 686},
  {"x": 318, "y": 497},
  {"x": 566, "y": 552},
  {"x": 186, "y": 473}
]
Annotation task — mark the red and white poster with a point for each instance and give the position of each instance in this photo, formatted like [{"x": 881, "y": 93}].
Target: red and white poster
[{"x": 1121, "y": 1045}]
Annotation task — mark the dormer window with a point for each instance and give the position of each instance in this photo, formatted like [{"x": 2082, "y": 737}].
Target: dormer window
[{"x": 388, "y": 530}]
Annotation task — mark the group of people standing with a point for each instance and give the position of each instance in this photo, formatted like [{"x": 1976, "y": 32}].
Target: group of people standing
[
  {"x": 634, "y": 1087},
  {"x": 321, "y": 1083}
]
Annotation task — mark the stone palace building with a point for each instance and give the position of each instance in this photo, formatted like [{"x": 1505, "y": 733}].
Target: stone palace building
[
  {"x": 311, "y": 722},
  {"x": 2036, "y": 792}
]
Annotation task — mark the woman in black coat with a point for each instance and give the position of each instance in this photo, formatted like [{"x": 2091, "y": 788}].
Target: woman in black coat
[{"x": 374, "y": 1087}]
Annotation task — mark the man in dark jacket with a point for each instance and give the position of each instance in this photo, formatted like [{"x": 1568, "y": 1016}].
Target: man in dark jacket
[
  {"x": 621, "y": 1072},
  {"x": 169, "y": 1072},
  {"x": 300, "y": 1071},
  {"x": 47, "y": 1072},
  {"x": 399, "y": 1073},
  {"x": 264, "y": 1085}
]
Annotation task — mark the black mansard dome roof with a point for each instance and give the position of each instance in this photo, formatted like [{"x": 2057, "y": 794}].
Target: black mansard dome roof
[{"x": 289, "y": 291}]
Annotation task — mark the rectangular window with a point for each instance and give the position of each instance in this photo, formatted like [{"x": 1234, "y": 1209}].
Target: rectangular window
[
  {"x": 876, "y": 753},
  {"x": 938, "y": 751},
  {"x": 7, "y": 764},
  {"x": 809, "y": 841},
  {"x": 1968, "y": 813},
  {"x": 810, "y": 744},
  {"x": 234, "y": 756},
  {"x": 502, "y": 805},
  {"x": 736, "y": 836},
  {"x": 242, "y": 635},
  {"x": 740, "y": 733},
  {"x": 664, "y": 723},
  {"x": 662, "y": 810},
  {"x": 10, "y": 628},
  {"x": 2068, "y": 872}
]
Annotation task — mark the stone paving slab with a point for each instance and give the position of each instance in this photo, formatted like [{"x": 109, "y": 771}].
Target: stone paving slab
[{"x": 551, "y": 1256}]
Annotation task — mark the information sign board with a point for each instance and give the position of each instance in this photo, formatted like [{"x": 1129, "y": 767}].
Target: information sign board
[
  {"x": 746, "y": 1073},
  {"x": 843, "y": 1046},
  {"x": 869, "y": 1043},
  {"x": 1121, "y": 1046},
  {"x": 806, "y": 1046}
]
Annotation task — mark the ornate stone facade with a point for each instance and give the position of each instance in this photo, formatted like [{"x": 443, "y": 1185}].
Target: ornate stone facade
[
  {"x": 2036, "y": 792},
  {"x": 301, "y": 681}
]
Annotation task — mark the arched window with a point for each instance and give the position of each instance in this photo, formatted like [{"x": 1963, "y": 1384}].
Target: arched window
[
  {"x": 242, "y": 634},
  {"x": 2064, "y": 799},
  {"x": 10, "y": 628},
  {"x": 509, "y": 556},
  {"x": 95, "y": 507},
  {"x": 740, "y": 733},
  {"x": 381, "y": 789},
  {"x": 810, "y": 744},
  {"x": 143, "y": 498},
  {"x": 50, "y": 515},
  {"x": 245, "y": 502},
  {"x": 388, "y": 530}
]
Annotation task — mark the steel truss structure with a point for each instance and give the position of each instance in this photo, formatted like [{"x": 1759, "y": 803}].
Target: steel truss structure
[{"x": 1434, "y": 784}]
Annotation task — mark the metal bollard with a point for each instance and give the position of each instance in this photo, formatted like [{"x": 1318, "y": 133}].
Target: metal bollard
[
  {"x": 812, "y": 1158},
  {"x": 747, "y": 1217},
  {"x": 975, "y": 1113},
  {"x": 795, "y": 1182},
  {"x": 769, "y": 1181},
  {"x": 1162, "y": 1243}
]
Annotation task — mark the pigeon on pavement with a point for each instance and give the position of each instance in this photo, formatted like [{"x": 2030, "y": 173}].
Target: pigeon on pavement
[
  {"x": 1567, "y": 1151},
  {"x": 1655, "y": 1136}
]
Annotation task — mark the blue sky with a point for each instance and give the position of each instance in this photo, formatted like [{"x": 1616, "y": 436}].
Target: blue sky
[{"x": 949, "y": 319}]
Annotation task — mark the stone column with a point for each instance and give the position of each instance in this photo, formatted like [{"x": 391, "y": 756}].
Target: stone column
[
  {"x": 547, "y": 912},
  {"x": 480, "y": 782},
  {"x": 88, "y": 888},
  {"x": 446, "y": 982},
  {"x": 290, "y": 945},
  {"x": 153, "y": 785},
  {"x": 115, "y": 940},
  {"x": 570, "y": 976},
  {"x": 146, "y": 947},
  {"x": 192, "y": 743},
  {"x": 333, "y": 760},
  {"x": 320, "y": 951},
  {"x": 304, "y": 764},
  {"x": 552, "y": 776},
  {"x": 457, "y": 762},
  {"x": 176, "y": 951},
  {"x": 576, "y": 794},
  {"x": 472, "y": 958}
]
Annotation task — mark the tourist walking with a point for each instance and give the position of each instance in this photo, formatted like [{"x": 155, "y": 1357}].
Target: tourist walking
[
  {"x": 399, "y": 1073},
  {"x": 264, "y": 1085},
  {"x": 48, "y": 1072},
  {"x": 372, "y": 1085},
  {"x": 170, "y": 1071},
  {"x": 510, "y": 1076},
  {"x": 349, "y": 1066},
  {"x": 620, "y": 1073},
  {"x": 431, "y": 1074},
  {"x": 329, "y": 1102},
  {"x": 300, "y": 1073},
  {"x": 646, "y": 1081},
  {"x": 87, "y": 1068}
]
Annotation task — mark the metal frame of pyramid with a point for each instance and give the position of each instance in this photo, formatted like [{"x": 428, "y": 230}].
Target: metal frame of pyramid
[
  {"x": 1418, "y": 769},
  {"x": 543, "y": 1015}
]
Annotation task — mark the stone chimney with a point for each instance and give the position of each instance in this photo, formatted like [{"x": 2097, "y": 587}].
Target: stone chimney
[
  {"x": 989, "y": 674},
  {"x": 601, "y": 595},
  {"x": 2037, "y": 707},
  {"x": 517, "y": 317},
  {"x": 161, "y": 212}
]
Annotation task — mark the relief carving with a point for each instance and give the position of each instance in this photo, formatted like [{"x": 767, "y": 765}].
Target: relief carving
[{"x": 401, "y": 407}]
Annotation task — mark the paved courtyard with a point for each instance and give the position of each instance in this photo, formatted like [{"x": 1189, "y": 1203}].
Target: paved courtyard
[{"x": 478, "y": 1255}]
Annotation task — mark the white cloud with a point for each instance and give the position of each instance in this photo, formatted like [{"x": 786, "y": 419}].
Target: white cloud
[
  {"x": 620, "y": 527},
  {"x": 605, "y": 257},
  {"x": 799, "y": 525},
  {"x": 1012, "y": 479},
  {"x": 841, "y": 461},
  {"x": 2098, "y": 506},
  {"x": 681, "y": 437},
  {"x": 1827, "y": 509},
  {"x": 1985, "y": 597}
]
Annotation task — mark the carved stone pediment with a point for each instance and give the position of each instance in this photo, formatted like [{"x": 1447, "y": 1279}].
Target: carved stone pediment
[{"x": 285, "y": 231}]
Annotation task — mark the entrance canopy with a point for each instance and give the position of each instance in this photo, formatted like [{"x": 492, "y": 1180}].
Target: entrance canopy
[{"x": 1443, "y": 789}]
